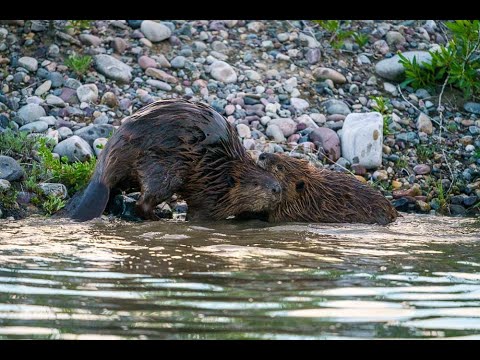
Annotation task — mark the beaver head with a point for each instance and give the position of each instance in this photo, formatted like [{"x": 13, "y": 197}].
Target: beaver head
[
  {"x": 314, "y": 195},
  {"x": 250, "y": 189}
]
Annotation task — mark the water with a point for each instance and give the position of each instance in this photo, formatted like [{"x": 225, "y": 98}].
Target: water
[{"x": 417, "y": 278}]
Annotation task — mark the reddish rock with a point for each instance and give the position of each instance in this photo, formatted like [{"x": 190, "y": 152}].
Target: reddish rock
[
  {"x": 146, "y": 62},
  {"x": 328, "y": 140},
  {"x": 422, "y": 169},
  {"x": 359, "y": 169}
]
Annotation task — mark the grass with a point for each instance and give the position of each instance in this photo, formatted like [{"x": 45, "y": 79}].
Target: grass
[
  {"x": 52, "y": 204},
  {"x": 79, "y": 64},
  {"x": 443, "y": 209},
  {"x": 383, "y": 106},
  {"x": 425, "y": 152}
]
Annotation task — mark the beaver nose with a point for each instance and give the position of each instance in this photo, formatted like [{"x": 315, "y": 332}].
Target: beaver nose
[
  {"x": 276, "y": 189},
  {"x": 262, "y": 156}
]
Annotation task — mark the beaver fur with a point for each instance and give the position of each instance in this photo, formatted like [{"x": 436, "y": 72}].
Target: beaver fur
[
  {"x": 310, "y": 194},
  {"x": 177, "y": 146}
]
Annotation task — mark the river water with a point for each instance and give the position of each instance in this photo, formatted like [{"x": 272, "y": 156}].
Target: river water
[{"x": 416, "y": 278}]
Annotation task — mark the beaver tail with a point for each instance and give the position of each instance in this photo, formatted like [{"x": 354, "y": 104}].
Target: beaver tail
[{"x": 92, "y": 202}]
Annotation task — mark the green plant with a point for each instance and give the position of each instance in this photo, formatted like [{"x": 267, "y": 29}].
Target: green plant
[
  {"x": 78, "y": 25},
  {"x": 52, "y": 204},
  {"x": 425, "y": 152},
  {"x": 456, "y": 64},
  {"x": 383, "y": 106},
  {"x": 74, "y": 176},
  {"x": 360, "y": 39},
  {"x": 401, "y": 163},
  {"x": 79, "y": 64},
  {"x": 476, "y": 154},
  {"x": 442, "y": 201},
  {"x": 17, "y": 144},
  {"x": 338, "y": 34},
  {"x": 8, "y": 198}
]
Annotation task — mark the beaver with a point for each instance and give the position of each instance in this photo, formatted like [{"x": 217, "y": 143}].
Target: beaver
[
  {"x": 178, "y": 146},
  {"x": 313, "y": 195}
]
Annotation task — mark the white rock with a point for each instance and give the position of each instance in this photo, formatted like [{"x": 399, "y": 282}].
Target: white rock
[
  {"x": 42, "y": 89},
  {"x": 286, "y": 125},
  {"x": 28, "y": 63},
  {"x": 99, "y": 145},
  {"x": 244, "y": 131},
  {"x": 30, "y": 112},
  {"x": 424, "y": 124},
  {"x": 74, "y": 148},
  {"x": 87, "y": 93},
  {"x": 362, "y": 139},
  {"x": 113, "y": 68},
  {"x": 221, "y": 71},
  {"x": 299, "y": 104},
  {"x": 155, "y": 31}
]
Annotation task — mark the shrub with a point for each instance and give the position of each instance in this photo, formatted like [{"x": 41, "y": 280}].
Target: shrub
[{"x": 457, "y": 63}]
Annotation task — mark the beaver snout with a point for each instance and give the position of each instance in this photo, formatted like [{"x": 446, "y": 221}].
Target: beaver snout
[{"x": 276, "y": 189}]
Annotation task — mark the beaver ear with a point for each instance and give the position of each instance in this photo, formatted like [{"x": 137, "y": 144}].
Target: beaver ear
[
  {"x": 230, "y": 181},
  {"x": 300, "y": 185}
]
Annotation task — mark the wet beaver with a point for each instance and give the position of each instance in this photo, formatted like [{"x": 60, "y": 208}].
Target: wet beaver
[
  {"x": 177, "y": 146},
  {"x": 313, "y": 195}
]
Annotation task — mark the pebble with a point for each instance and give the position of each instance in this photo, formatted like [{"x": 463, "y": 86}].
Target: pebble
[
  {"x": 424, "y": 124},
  {"x": 87, "y": 93},
  {"x": 35, "y": 126},
  {"x": 112, "y": 68},
  {"x": 30, "y": 112},
  {"x": 28, "y": 63},
  {"x": 43, "y": 88},
  {"x": 323, "y": 73},
  {"x": 221, "y": 71},
  {"x": 154, "y": 31},
  {"x": 391, "y": 69}
]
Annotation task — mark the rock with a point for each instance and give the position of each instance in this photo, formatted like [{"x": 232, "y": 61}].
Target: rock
[
  {"x": 4, "y": 185},
  {"x": 113, "y": 68},
  {"x": 87, "y": 93},
  {"x": 243, "y": 131},
  {"x": 457, "y": 210},
  {"x": 391, "y": 69},
  {"x": 35, "y": 126},
  {"x": 178, "y": 62},
  {"x": 252, "y": 75},
  {"x": 421, "y": 169},
  {"x": 29, "y": 63},
  {"x": 221, "y": 71},
  {"x": 334, "y": 106},
  {"x": 412, "y": 192},
  {"x": 146, "y": 62},
  {"x": 124, "y": 207},
  {"x": 422, "y": 206},
  {"x": 99, "y": 145},
  {"x": 159, "y": 84},
  {"x": 64, "y": 132},
  {"x": 161, "y": 75},
  {"x": 380, "y": 175},
  {"x": 10, "y": 169},
  {"x": 394, "y": 38},
  {"x": 42, "y": 89},
  {"x": 424, "y": 124},
  {"x": 154, "y": 31},
  {"x": 75, "y": 149},
  {"x": 472, "y": 107},
  {"x": 313, "y": 55},
  {"x": 359, "y": 169},
  {"x": 299, "y": 104},
  {"x": 119, "y": 45},
  {"x": 54, "y": 189},
  {"x": 89, "y": 39},
  {"x": 30, "y": 112},
  {"x": 274, "y": 132},
  {"x": 362, "y": 139},
  {"x": 323, "y": 73},
  {"x": 55, "y": 101},
  {"x": 328, "y": 141},
  {"x": 92, "y": 132},
  {"x": 401, "y": 204},
  {"x": 286, "y": 125},
  {"x": 109, "y": 99},
  {"x": 390, "y": 88}
]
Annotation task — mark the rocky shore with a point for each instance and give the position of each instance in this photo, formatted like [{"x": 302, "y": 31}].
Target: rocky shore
[{"x": 281, "y": 83}]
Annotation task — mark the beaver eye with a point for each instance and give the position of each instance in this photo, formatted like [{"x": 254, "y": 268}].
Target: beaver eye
[
  {"x": 230, "y": 181},
  {"x": 280, "y": 167},
  {"x": 300, "y": 186}
]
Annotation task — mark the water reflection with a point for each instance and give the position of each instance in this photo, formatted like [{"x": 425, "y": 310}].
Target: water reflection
[{"x": 418, "y": 277}]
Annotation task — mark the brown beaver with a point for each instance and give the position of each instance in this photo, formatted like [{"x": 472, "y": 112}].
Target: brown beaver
[
  {"x": 313, "y": 195},
  {"x": 177, "y": 146}
]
